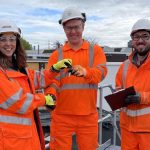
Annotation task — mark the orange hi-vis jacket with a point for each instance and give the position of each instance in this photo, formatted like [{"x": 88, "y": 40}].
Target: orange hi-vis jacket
[
  {"x": 78, "y": 95},
  {"x": 135, "y": 117},
  {"x": 18, "y": 101}
]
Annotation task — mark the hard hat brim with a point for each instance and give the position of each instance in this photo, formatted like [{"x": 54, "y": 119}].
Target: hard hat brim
[{"x": 71, "y": 18}]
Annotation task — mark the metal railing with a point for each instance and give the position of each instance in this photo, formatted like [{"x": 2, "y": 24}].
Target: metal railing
[{"x": 111, "y": 115}]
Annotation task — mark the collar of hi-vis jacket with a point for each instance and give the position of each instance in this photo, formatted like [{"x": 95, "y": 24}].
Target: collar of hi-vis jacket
[
  {"x": 84, "y": 46},
  {"x": 13, "y": 73},
  {"x": 146, "y": 63}
]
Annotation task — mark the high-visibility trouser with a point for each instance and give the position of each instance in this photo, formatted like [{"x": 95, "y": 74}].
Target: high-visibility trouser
[
  {"x": 64, "y": 126},
  {"x": 134, "y": 140}
]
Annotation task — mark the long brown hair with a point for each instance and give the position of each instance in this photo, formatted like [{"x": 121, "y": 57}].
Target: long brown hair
[{"x": 18, "y": 59}]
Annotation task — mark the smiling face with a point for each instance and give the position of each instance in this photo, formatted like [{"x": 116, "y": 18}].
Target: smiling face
[
  {"x": 8, "y": 44},
  {"x": 141, "y": 42},
  {"x": 74, "y": 29}
]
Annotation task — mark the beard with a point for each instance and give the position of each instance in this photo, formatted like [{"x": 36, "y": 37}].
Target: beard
[{"x": 142, "y": 51}]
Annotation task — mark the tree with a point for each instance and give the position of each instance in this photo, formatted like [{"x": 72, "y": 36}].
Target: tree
[
  {"x": 58, "y": 44},
  {"x": 26, "y": 45}
]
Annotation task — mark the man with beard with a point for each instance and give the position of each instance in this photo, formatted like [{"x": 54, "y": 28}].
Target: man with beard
[{"x": 135, "y": 71}]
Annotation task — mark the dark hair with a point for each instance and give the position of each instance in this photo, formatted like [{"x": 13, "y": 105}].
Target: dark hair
[{"x": 18, "y": 59}]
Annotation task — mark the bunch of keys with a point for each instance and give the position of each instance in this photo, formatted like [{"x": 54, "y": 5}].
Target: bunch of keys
[{"x": 70, "y": 69}]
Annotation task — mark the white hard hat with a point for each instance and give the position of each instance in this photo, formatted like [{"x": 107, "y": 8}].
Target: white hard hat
[
  {"x": 71, "y": 13},
  {"x": 141, "y": 24},
  {"x": 9, "y": 26}
]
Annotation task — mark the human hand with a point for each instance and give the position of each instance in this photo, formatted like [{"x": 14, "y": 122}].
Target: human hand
[
  {"x": 133, "y": 99},
  {"x": 78, "y": 71},
  {"x": 64, "y": 63},
  {"x": 50, "y": 101}
]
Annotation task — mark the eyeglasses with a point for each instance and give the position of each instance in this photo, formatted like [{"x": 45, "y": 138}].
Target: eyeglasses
[
  {"x": 11, "y": 39},
  {"x": 143, "y": 37},
  {"x": 70, "y": 28}
]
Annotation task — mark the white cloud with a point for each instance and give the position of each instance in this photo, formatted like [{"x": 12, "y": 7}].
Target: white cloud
[{"x": 108, "y": 22}]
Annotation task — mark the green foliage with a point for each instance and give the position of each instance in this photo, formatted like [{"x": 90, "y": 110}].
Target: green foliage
[{"x": 26, "y": 45}]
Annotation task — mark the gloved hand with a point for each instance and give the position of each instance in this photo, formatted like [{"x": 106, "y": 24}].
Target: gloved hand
[
  {"x": 78, "y": 71},
  {"x": 50, "y": 101},
  {"x": 133, "y": 99},
  {"x": 64, "y": 63}
]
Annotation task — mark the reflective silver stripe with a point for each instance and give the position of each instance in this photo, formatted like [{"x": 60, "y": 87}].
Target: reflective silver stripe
[
  {"x": 79, "y": 86},
  {"x": 135, "y": 113},
  {"x": 102, "y": 70},
  {"x": 54, "y": 86},
  {"x": 36, "y": 74},
  {"x": 63, "y": 74},
  {"x": 26, "y": 104},
  {"x": 15, "y": 120},
  {"x": 57, "y": 78},
  {"x": 101, "y": 65},
  {"x": 124, "y": 73},
  {"x": 91, "y": 55},
  {"x": 12, "y": 99},
  {"x": 60, "y": 55},
  {"x": 42, "y": 79}
]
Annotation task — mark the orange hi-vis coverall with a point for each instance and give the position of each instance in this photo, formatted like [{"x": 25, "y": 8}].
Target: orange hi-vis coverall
[
  {"x": 135, "y": 118},
  {"x": 18, "y": 101},
  {"x": 75, "y": 110}
]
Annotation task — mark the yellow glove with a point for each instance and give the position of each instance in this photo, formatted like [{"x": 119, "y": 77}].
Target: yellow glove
[
  {"x": 64, "y": 63},
  {"x": 50, "y": 101}
]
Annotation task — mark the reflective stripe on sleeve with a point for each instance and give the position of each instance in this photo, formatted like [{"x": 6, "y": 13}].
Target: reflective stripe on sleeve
[
  {"x": 54, "y": 86},
  {"x": 12, "y": 99},
  {"x": 102, "y": 70},
  {"x": 26, "y": 104},
  {"x": 15, "y": 120},
  {"x": 135, "y": 113}
]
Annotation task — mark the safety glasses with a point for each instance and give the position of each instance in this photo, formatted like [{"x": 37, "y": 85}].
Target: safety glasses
[
  {"x": 70, "y": 28},
  {"x": 11, "y": 39},
  {"x": 143, "y": 37}
]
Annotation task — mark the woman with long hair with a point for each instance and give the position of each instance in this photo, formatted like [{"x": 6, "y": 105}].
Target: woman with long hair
[{"x": 20, "y": 126}]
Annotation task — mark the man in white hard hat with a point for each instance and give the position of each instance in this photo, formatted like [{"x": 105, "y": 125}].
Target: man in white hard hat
[
  {"x": 76, "y": 101},
  {"x": 135, "y": 71}
]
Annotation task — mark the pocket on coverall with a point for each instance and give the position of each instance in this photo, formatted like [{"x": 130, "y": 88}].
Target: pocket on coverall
[{"x": 16, "y": 137}]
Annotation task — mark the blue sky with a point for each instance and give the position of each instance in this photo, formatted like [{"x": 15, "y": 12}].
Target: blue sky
[{"x": 108, "y": 22}]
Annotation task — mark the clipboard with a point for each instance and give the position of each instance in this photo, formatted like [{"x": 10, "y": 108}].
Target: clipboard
[{"x": 116, "y": 100}]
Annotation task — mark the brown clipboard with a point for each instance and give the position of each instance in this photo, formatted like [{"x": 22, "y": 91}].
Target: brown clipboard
[{"x": 116, "y": 100}]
